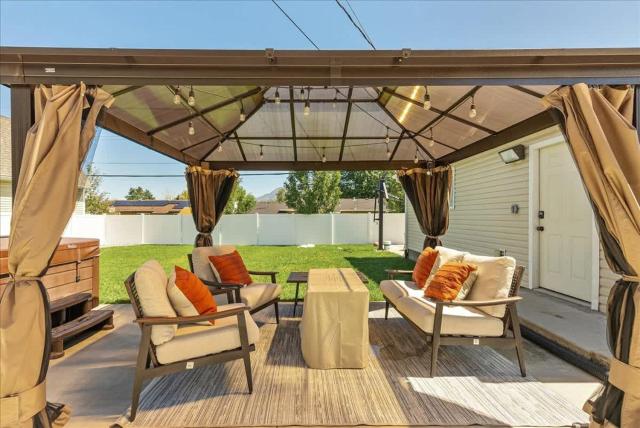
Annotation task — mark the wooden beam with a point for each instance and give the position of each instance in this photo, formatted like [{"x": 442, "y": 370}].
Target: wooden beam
[
  {"x": 527, "y": 91},
  {"x": 314, "y": 165},
  {"x": 24, "y": 65},
  {"x": 325, "y": 101},
  {"x": 346, "y": 122},
  {"x": 310, "y": 138},
  {"x": 528, "y": 126},
  {"x": 395, "y": 148},
  {"x": 130, "y": 132},
  {"x": 22, "y": 118},
  {"x": 293, "y": 124},
  {"x": 206, "y": 110},
  {"x": 244, "y": 157},
  {"x": 126, "y": 90}
]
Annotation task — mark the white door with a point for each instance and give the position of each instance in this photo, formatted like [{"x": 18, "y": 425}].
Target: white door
[{"x": 566, "y": 241}]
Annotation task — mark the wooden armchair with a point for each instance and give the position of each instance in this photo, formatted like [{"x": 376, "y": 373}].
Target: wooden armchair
[
  {"x": 442, "y": 324},
  {"x": 256, "y": 296},
  {"x": 213, "y": 347}
]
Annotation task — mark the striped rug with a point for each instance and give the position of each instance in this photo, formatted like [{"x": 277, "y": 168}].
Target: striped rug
[{"x": 474, "y": 386}]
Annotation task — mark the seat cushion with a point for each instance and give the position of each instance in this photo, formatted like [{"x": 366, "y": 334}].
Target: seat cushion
[
  {"x": 493, "y": 282},
  {"x": 393, "y": 289},
  {"x": 151, "y": 284},
  {"x": 257, "y": 294},
  {"x": 195, "y": 340},
  {"x": 456, "y": 320},
  {"x": 200, "y": 260}
]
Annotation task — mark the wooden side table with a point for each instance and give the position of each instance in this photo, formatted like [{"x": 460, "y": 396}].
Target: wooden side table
[{"x": 298, "y": 278}]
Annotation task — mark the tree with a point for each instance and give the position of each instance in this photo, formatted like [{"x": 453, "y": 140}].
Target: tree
[
  {"x": 364, "y": 184},
  {"x": 280, "y": 195},
  {"x": 240, "y": 202},
  {"x": 312, "y": 192},
  {"x": 95, "y": 201},
  {"x": 183, "y": 196},
  {"x": 138, "y": 194}
]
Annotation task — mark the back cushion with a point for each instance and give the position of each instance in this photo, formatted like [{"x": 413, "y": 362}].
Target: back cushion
[
  {"x": 200, "y": 260},
  {"x": 231, "y": 268},
  {"x": 446, "y": 255},
  {"x": 424, "y": 266},
  {"x": 151, "y": 283},
  {"x": 493, "y": 282}
]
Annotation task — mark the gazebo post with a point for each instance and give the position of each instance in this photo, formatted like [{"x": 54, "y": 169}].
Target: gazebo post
[{"x": 22, "y": 118}]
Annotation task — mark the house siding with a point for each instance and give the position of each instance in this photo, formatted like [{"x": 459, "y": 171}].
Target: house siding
[{"x": 482, "y": 222}]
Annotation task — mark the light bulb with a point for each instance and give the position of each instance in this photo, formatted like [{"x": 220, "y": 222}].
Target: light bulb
[
  {"x": 192, "y": 130},
  {"x": 277, "y": 97},
  {"x": 416, "y": 159},
  {"x": 324, "y": 158},
  {"x": 176, "y": 95},
  {"x": 307, "y": 108},
  {"x": 427, "y": 99},
  {"x": 261, "y": 153},
  {"x": 431, "y": 142},
  {"x": 243, "y": 116},
  {"x": 428, "y": 172},
  {"x": 220, "y": 147},
  {"x": 192, "y": 98},
  {"x": 472, "y": 111},
  {"x": 301, "y": 93},
  {"x": 388, "y": 152},
  {"x": 335, "y": 100},
  {"x": 387, "y": 139}
]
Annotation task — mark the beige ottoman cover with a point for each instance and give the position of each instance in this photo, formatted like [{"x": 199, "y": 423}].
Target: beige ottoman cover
[{"x": 334, "y": 327}]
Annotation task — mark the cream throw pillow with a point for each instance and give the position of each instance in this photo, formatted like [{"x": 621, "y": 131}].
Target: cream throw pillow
[
  {"x": 493, "y": 282},
  {"x": 151, "y": 283},
  {"x": 466, "y": 285}
]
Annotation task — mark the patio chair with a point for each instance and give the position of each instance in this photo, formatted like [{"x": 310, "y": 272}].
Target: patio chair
[
  {"x": 257, "y": 296},
  {"x": 233, "y": 337},
  {"x": 458, "y": 322}
]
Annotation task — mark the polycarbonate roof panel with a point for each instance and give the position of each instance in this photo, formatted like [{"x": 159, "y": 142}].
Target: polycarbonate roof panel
[
  {"x": 368, "y": 119},
  {"x": 178, "y": 136},
  {"x": 441, "y": 96},
  {"x": 355, "y": 150},
  {"x": 456, "y": 134},
  {"x": 311, "y": 150},
  {"x": 411, "y": 116},
  {"x": 272, "y": 120},
  {"x": 325, "y": 120},
  {"x": 230, "y": 152},
  {"x": 272, "y": 150}
]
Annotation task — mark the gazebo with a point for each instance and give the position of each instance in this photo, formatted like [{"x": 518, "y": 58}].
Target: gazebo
[{"x": 271, "y": 110}]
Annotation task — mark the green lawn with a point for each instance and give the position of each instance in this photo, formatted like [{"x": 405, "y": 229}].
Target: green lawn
[{"x": 116, "y": 263}]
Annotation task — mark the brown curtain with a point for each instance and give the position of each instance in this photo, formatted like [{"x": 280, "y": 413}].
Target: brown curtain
[
  {"x": 209, "y": 192},
  {"x": 428, "y": 191},
  {"x": 44, "y": 201},
  {"x": 597, "y": 123}
]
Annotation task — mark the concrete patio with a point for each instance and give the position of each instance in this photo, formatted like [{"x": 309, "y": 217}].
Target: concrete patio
[{"x": 98, "y": 401}]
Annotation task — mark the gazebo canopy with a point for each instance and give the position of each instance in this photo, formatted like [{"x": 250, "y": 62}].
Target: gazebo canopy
[{"x": 355, "y": 99}]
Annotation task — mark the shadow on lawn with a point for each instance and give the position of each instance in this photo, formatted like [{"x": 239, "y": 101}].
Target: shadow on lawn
[{"x": 374, "y": 267}]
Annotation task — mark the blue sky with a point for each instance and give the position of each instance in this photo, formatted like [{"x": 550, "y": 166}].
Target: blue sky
[{"x": 259, "y": 25}]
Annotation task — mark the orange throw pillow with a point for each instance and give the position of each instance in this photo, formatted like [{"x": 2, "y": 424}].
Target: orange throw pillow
[
  {"x": 231, "y": 268},
  {"x": 190, "y": 296},
  {"x": 423, "y": 266},
  {"x": 449, "y": 280}
]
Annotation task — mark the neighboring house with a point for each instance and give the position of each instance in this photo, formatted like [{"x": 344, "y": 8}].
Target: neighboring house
[
  {"x": 150, "y": 207},
  {"x": 496, "y": 209},
  {"x": 346, "y": 206},
  {"x": 5, "y": 171}
]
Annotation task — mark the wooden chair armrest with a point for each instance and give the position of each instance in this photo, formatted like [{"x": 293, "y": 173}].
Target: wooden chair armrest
[
  {"x": 216, "y": 291},
  {"x": 478, "y": 303},
  {"x": 190, "y": 320},
  {"x": 393, "y": 272},
  {"x": 221, "y": 285},
  {"x": 270, "y": 273}
]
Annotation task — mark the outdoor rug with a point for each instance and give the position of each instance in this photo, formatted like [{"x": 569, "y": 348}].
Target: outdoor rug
[{"x": 474, "y": 386}]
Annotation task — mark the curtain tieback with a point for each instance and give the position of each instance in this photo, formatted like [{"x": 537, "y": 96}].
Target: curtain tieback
[
  {"x": 18, "y": 278},
  {"x": 22, "y": 406},
  {"x": 631, "y": 278},
  {"x": 625, "y": 377},
  {"x": 433, "y": 236}
]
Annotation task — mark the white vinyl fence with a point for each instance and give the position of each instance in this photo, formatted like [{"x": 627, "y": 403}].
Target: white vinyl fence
[{"x": 239, "y": 229}]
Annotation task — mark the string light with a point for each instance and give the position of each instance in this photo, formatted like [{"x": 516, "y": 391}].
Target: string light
[
  {"x": 176, "y": 95},
  {"x": 277, "y": 97},
  {"x": 261, "y": 153},
  {"x": 388, "y": 151},
  {"x": 307, "y": 108},
  {"x": 416, "y": 159},
  {"x": 301, "y": 93},
  {"x": 430, "y": 141},
  {"x": 192, "y": 97},
  {"x": 220, "y": 147},
  {"x": 324, "y": 157},
  {"x": 427, "y": 99},
  {"x": 387, "y": 139},
  {"x": 472, "y": 109},
  {"x": 192, "y": 130},
  {"x": 243, "y": 116},
  {"x": 335, "y": 99}
]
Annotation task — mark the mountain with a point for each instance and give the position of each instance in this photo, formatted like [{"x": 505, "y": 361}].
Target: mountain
[{"x": 271, "y": 196}]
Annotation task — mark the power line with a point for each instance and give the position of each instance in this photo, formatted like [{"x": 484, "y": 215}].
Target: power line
[
  {"x": 358, "y": 19},
  {"x": 296, "y": 25},
  {"x": 355, "y": 25},
  {"x": 176, "y": 175}
]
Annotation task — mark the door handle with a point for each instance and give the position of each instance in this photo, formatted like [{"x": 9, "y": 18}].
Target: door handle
[{"x": 540, "y": 228}]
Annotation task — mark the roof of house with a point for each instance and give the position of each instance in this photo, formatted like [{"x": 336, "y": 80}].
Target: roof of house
[
  {"x": 346, "y": 205},
  {"x": 149, "y": 206}
]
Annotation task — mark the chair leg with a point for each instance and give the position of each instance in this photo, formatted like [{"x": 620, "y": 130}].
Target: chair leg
[
  {"x": 435, "y": 340},
  {"x": 386, "y": 309},
  {"x": 295, "y": 300},
  {"x": 275, "y": 307},
  {"x": 515, "y": 324},
  {"x": 244, "y": 344},
  {"x": 141, "y": 365}
]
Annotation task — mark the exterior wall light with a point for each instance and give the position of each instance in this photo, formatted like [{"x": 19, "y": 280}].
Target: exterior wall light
[{"x": 512, "y": 154}]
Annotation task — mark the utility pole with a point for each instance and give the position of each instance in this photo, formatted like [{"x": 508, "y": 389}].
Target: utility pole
[{"x": 382, "y": 190}]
